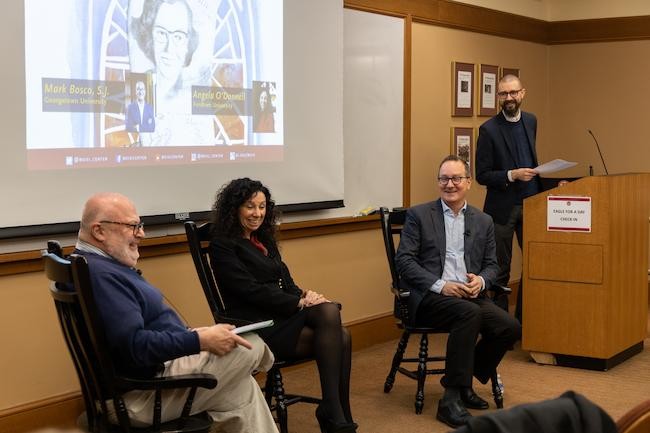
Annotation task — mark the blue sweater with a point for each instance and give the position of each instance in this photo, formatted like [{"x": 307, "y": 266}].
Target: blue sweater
[
  {"x": 524, "y": 159},
  {"x": 142, "y": 331}
]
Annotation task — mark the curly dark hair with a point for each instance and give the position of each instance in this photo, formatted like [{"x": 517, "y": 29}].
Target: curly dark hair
[
  {"x": 142, "y": 28},
  {"x": 225, "y": 211}
]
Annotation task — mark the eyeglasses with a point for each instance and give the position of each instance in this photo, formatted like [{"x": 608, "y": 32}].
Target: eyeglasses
[
  {"x": 456, "y": 180},
  {"x": 136, "y": 227},
  {"x": 512, "y": 93},
  {"x": 162, "y": 36}
]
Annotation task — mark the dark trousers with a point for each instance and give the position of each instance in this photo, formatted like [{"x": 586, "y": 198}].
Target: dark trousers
[
  {"x": 464, "y": 320},
  {"x": 503, "y": 237}
]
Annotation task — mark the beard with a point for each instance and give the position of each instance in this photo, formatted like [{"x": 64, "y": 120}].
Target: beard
[
  {"x": 123, "y": 253},
  {"x": 510, "y": 107}
]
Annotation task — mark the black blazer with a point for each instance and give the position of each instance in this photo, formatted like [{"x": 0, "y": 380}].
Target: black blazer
[
  {"x": 420, "y": 257},
  {"x": 495, "y": 155},
  {"x": 254, "y": 287}
]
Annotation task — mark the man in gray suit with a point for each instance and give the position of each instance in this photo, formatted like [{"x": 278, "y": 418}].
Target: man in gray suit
[{"x": 447, "y": 259}]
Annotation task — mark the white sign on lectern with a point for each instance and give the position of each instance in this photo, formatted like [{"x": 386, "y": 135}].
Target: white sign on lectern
[{"x": 568, "y": 214}]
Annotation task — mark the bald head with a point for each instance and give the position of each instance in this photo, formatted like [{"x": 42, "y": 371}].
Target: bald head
[
  {"x": 509, "y": 78},
  {"x": 108, "y": 222},
  {"x": 104, "y": 206}
]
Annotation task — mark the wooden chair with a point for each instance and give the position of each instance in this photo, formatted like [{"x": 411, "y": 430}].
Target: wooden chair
[
  {"x": 391, "y": 225},
  {"x": 84, "y": 334},
  {"x": 636, "y": 420},
  {"x": 198, "y": 238}
]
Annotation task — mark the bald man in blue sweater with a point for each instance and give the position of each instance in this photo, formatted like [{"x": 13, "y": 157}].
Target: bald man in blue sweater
[{"x": 147, "y": 338}]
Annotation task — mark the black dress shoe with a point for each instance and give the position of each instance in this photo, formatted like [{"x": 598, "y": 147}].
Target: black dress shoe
[
  {"x": 328, "y": 426},
  {"x": 452, "y": 413},
  {"x": 472, "y": 400}
]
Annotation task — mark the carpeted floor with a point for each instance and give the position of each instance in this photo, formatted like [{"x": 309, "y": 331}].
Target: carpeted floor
[{"x": 615, "y": 391}]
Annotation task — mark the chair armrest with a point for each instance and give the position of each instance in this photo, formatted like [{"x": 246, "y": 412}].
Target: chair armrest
[
  {"x": 158, "y": 384},
  {"x": 201, "y": 380},
  {"x": 232, "y": 321},
  {"x": 402, "y": 294},
  {"x": 500, "y": 290}
]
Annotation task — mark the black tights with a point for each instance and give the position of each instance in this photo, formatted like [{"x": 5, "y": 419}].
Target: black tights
[{"x": 324, "y": 339}]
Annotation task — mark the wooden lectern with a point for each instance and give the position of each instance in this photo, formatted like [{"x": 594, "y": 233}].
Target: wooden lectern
[{"x": 585, "y": 296}]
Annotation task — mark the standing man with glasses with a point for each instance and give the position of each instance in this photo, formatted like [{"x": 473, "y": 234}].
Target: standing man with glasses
[
  {"x": 146, "y": 338},
  {"x": 505, "y": 164},
  {"x": 447, "y": 260}
]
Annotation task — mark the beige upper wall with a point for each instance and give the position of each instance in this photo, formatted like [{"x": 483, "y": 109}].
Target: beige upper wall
[
  {"x": 564, "y": 10},
  {"x": 601, "y": 86}
]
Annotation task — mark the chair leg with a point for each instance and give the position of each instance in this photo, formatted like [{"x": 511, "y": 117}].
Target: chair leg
[
  {"x": 397, "y": 360},
  {"x": 422, "y": 372},
  {"x": 497, "y": 390},
  {"x": 280, "y": 400},
  {"x": 268, "y": 388}
]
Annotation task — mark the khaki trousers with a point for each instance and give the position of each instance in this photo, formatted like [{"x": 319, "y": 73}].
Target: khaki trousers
[{"x": 236, "y": 405}]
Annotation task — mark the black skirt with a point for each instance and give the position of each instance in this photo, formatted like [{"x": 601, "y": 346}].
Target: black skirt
[{"x": 282, "y": 338}]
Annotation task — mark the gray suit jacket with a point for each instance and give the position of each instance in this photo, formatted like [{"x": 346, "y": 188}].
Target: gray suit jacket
[{"x": 420, "y": 257}]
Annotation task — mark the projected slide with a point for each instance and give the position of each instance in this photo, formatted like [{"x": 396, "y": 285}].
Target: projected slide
[{"x": 147, "y": 82}]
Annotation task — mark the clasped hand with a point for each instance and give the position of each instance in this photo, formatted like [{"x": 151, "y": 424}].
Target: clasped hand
[
  {"x": 219, "y": 339},
  {"x": 467, "y": 290},
  {"x": 311, "y": 298}
]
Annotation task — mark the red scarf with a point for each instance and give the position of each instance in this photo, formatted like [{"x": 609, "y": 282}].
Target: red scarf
[{"x": 257, "y": 244}]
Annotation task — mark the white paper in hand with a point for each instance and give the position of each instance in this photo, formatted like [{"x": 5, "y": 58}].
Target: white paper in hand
[
  {"x": 553, "y": 166},
  {"x": 253, "y": 327}
]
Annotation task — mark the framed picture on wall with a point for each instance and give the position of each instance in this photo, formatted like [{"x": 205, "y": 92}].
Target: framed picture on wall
[
  {"x": 463, "y": 88},
  {"x": 509, "y": 71},
  {"x": 487, "y": 90},
  {"x": 462, "y": 144}
]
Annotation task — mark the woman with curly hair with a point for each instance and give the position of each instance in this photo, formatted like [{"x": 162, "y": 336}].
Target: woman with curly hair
[{"x": 256, "y": 285}]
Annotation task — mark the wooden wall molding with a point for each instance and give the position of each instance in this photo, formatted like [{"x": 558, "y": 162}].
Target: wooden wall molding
[
  {"x": 59, "y": 411},
  {"x": 305, "y": 229},
  {"x": 30, "y": 261},
  {"x": 599, "y": 30},
  {"x": 482, "y": 20},
  {"x": 62, "y": 411},
  {"x": 460, "y": 16}
]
